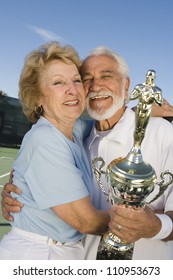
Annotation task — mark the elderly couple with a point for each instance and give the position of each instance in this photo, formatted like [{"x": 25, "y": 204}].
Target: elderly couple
[{"x": 58, "y": 210}]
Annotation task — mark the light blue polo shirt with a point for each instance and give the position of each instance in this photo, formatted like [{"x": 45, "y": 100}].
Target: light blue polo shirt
[{"x": 50, "y": 170}]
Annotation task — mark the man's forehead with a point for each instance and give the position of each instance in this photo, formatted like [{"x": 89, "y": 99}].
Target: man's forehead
[{"x": 101, "y": 64}]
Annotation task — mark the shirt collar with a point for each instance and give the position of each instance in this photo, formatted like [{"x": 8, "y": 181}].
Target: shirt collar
[{"x": 119, "y": 132}]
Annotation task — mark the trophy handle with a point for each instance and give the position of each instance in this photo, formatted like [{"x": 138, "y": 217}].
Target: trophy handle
[
  {"x": 162, "y": 184},
  {"x": 98, "y": 172}
]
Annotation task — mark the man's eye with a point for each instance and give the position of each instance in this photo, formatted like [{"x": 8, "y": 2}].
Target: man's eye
[
  {"x": 106, "y": 76},
  {"x": 86, "y": 80},
  {"x": 78, "y": 81}
]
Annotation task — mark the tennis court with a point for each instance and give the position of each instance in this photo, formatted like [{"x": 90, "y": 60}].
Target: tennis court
[{"x": 7, "y": 156}]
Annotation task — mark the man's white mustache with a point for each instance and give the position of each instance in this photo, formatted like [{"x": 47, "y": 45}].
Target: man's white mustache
[{"x": 94, "y": 94}]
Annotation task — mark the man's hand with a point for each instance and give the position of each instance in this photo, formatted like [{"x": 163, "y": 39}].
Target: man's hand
[
  {"x": 8, "y": 203},
  {"x": 131, "y": 224},
  {"x": 166, "y": 110}
]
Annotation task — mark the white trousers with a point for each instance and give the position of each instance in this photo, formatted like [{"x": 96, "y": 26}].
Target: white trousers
[
  {"x": 22, "y": 245},
  {"x": 91, "y": 243}
]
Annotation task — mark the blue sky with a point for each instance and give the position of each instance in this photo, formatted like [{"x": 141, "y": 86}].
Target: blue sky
[{"x": 140, "y": 31}]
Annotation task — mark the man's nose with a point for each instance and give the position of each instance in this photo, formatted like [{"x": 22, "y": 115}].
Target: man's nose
[{"x": 95, "y": 84}]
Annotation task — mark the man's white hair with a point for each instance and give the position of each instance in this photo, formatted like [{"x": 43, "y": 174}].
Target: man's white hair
[{"x": 123, "y": 66}]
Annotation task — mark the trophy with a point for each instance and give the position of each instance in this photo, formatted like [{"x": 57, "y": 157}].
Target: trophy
[{"x": 130, "y": 180}]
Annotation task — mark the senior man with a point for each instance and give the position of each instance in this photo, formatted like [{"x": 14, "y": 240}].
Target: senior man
[{"x": 106, "y": 81}]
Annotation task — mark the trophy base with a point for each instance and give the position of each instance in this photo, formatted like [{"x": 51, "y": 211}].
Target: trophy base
[
  {"x": 114, "y": 243},
  {"x": 113, "y": 248},
  {"x": 105, "y": 254}
]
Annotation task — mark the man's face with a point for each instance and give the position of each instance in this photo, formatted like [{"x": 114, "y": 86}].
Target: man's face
[{"x": 105, "y": 89}]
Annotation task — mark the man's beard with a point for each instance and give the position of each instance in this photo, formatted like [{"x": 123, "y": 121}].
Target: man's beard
[{"x": 99, "y": 114}]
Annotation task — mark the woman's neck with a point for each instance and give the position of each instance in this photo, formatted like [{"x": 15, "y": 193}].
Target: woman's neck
[{"x": 65, "y": 127}]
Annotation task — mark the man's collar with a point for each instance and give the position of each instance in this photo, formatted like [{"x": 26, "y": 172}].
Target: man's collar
[{"x": 117, "y": 133}]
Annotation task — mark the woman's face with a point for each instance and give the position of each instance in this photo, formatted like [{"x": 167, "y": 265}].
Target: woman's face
[{"x": 63, "y": 96}]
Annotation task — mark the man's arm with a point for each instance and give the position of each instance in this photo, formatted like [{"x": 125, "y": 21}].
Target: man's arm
[
  {"x": 169, "y": 237},
  {"x": 8, "y": 203}
]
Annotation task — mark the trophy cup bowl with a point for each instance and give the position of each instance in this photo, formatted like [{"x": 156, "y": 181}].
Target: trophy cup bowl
[{"x": 130, "y": 180}]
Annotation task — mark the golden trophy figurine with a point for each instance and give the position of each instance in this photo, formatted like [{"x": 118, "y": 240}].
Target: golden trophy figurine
[{"x": 147, "y": 93}]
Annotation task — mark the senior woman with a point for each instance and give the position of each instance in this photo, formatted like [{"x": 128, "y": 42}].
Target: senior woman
[{"x": 51, "y": 168}]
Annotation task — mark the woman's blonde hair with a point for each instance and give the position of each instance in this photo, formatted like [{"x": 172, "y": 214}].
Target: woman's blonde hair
[{"x": 29, "y": 91}]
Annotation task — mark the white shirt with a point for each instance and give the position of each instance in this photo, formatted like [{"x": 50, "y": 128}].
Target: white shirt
[{"x": 157, "y": 150}]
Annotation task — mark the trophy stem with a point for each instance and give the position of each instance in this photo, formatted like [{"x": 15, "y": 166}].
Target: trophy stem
[{"x": 135, "y": 155}]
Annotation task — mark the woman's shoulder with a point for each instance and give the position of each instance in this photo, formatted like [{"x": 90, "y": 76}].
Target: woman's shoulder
[
  {"x": 41, "y": 133},
  {"x": 82, "y": 128}
]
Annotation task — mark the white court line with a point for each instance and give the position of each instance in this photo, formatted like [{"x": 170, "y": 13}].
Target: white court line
[
  {"x": 4, "y": 175},
  {"x": 6, "y": 158}
]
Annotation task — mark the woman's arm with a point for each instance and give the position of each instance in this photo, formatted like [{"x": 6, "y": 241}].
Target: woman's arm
[
  {"x": 166, "y": 110},
  {"x": 82, "y": 215}
]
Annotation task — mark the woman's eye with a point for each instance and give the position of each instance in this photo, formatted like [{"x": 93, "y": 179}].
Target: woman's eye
[{"x": 58, "y": 83}]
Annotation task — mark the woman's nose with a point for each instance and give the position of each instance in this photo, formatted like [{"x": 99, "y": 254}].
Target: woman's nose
[{"x": 71, "y": 88}]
